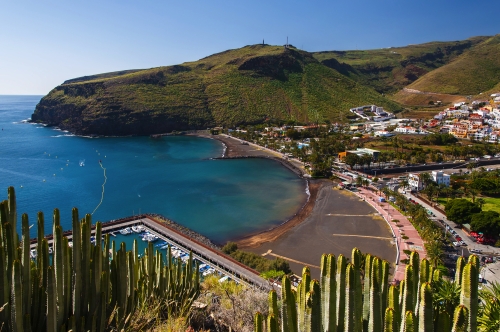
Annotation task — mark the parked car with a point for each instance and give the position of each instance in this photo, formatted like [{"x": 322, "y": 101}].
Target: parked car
[
  {"x": 475, "y": 251},
  {"x": 456, "y": 244}
]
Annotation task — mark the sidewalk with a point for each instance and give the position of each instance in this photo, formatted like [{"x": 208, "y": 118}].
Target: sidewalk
[{"x": 414, "y": 242}]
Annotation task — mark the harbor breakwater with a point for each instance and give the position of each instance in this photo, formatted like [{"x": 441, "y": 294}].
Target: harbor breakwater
[{"x": 112, "y": 225}]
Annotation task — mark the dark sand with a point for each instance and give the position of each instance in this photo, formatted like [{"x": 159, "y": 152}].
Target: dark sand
[
  {"x": 310, "y": 233},
  {"x": 309, "y": 239}
]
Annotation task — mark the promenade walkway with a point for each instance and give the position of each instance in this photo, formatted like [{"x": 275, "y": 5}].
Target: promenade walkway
[{"x": 404, "y": 226}]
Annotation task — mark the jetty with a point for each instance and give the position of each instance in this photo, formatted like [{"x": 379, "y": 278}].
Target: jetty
[{"x": 206, "y": 253}]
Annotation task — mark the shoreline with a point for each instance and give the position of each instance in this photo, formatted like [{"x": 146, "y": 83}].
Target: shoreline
[
  {"x": 270, "y": 235},
  {"x": 233, "y": 149}
]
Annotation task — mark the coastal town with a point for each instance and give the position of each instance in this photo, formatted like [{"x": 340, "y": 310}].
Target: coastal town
[
  {"x": 462, "y": 151},
  {"x": 248, "y": 167}
]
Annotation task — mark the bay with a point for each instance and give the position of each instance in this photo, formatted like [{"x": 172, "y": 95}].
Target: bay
[{"x": 173, "y": 176}]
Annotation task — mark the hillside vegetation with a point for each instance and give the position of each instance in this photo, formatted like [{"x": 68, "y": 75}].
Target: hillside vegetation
[
  {"x": 246, "y": 85},
  {"x": 390, "y": 69},
  {"x": 476, "y": 71}
]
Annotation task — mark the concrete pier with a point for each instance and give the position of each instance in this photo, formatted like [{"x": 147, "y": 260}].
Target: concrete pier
[{"x": 201, "y": 252}]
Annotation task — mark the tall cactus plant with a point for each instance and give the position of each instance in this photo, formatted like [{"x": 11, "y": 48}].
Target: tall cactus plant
[
  {"x": 328, "y": 292},
  {"x": 469, "y": 294},
  {"x": 80, "y": 288}
]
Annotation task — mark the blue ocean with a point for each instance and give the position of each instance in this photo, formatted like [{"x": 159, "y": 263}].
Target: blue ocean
[{"x": 113, "y": 178}]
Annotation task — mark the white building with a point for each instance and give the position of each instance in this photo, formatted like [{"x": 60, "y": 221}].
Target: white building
[
  {"x": 382, "y": 133},
  {"x": 414, "y": 181},
  {"x": 441, "y": 178}
]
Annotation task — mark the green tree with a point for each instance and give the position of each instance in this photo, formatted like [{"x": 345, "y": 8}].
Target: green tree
[
  {"x": 461, "y": 210},
  {"x": 351, "y": 159},
  {"x": 487, "y": 222}
]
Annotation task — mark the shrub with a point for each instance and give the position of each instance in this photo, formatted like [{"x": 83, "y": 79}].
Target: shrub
[{"x": 229, "y": 248}]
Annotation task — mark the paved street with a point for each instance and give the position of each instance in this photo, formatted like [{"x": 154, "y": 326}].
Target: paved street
[{"x": 490, "y": 272}]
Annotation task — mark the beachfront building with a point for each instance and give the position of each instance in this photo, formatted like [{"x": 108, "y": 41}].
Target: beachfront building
[
  {"x": 441, "y": 178},
  {"x": 414, "y": 182}
]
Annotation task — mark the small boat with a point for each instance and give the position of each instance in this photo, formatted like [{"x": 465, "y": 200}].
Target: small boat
[
  {"x": 161, "y": 244},
  {"x": 164, "y": 247},
  {"x": 82, "y": 163},
  {"x": 150, "y": 237},
  {"x": 51, "y": 251},
  {"x": 138, "y": 229},
  {"x": 125, "y": 231},
  {"x": 33, "y": 253},
  {"x": 209, "y": 272},
  {"x": 203, "y": 267},
  {"x": 70, "y": 244},
  {"x": 112, "y": 233}
]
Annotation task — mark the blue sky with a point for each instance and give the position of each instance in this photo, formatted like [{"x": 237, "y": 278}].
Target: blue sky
[{"x": 43, "y": 43}]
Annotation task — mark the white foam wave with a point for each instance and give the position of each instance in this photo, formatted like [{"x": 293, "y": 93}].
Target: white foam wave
[
  {"x": 65, "y": 135},
  {"x": 307, "y": 190}
]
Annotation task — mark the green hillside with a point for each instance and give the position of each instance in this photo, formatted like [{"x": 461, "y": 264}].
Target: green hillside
[
  {"x": 246, "y": 85},
  {"x": 390, "y": 69},
  {"x": 476, "y": 71}
]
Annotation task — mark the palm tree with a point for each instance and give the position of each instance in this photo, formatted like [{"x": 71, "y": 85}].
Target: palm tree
[
  {"x": 426, "y": 178},
  {"x": 434, "y": 253},
  {"x": 489, "y": 317}
]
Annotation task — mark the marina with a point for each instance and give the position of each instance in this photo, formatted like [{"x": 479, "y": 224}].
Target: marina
[{"x": 146, "y": 228}]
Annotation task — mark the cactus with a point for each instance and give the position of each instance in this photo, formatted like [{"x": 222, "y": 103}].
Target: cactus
[
  {"x": 350, "y": 299},
  {"x": 289, "y": 310},
  {"x": 356, "y": 259},
  {"x": 313, "y": 308},
  {"x": 425, "y": 271},
  {"x": 76, "y": 291},
  {"x": 258, "y": 322},
  {"x": 461, "y": 319},
  {"x": 366, "y": 291},
  {"x": 469, "y": 294},
  {"x": 302, "y": 291},
  {"x": 341, "y": 284},
  {"x": 393, "y": 303},
  {"x": 459, "y": 269},
  {"x": 409, "y": 322},
  {"x": 328, "y": 292},
  {"x": 375, "y": 320},
  {"x": 273, "y": 308},
  {"x": 425, "y": 313},
  {"x": 272, "y": 323},
  {"x": 407, "y": 293},
  {"x": 390, "y": 320}
]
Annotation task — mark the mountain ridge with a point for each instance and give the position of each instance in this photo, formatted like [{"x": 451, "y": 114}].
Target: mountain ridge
[{"x": 239, "y": 86}]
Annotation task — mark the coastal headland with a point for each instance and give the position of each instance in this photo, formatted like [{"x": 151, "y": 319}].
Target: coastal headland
[{"x": 330, "y": 221}]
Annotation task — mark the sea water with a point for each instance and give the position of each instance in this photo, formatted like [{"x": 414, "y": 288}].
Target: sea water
[{"x": 118, "y": 177}]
